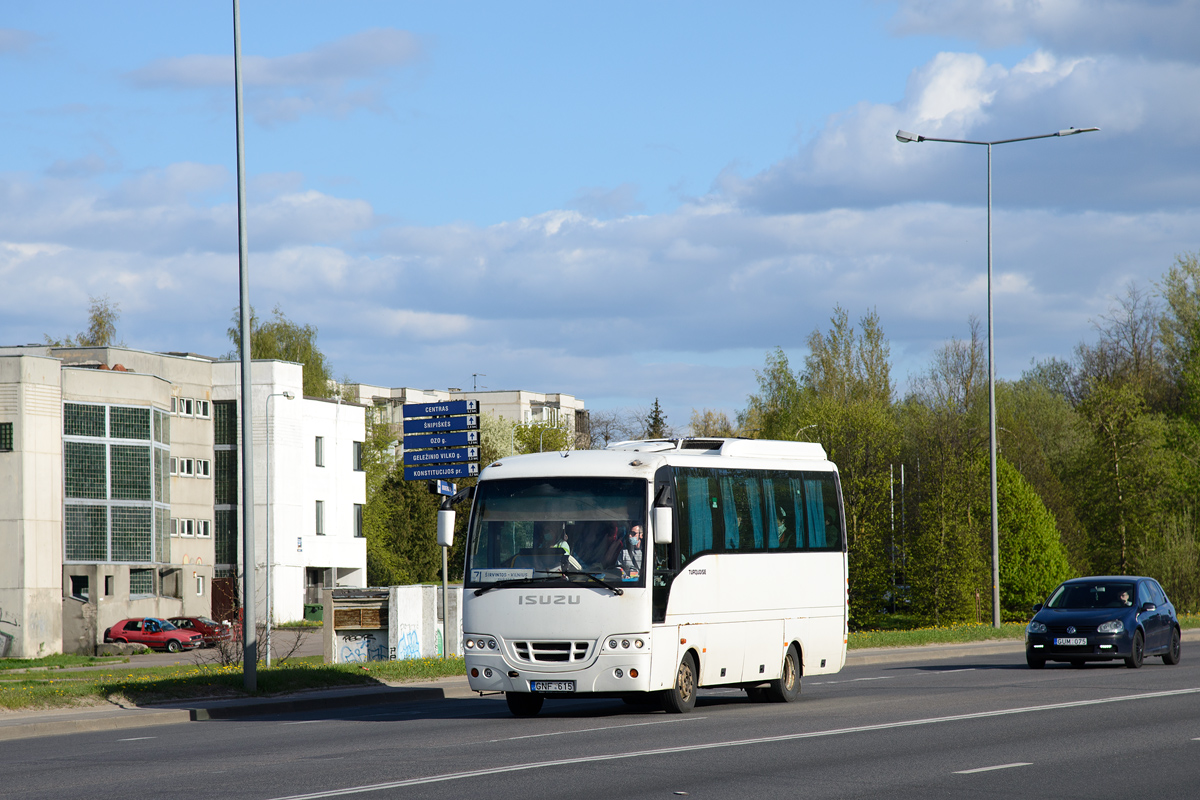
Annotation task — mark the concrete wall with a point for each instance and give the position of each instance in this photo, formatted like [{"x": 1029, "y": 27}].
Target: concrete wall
[{"x": 31, "y": 508}]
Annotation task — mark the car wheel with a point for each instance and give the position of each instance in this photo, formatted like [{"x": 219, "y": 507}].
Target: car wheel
[
  {"x": 1138, "y": 654},
  {"x": 1172, "y": 656},
  {"x": 173, "y": 645},
  {"x": 120, "y": 641},
  {"x": 1035, "y": 662},
  {"x": 524, "y": 704},
  {"x": 681, "y": 698},
  {"x": 787, "y": 688}
]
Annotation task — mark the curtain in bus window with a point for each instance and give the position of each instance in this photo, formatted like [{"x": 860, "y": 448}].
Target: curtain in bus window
[
  {"x": 799, "y": 514},
  {"x": 770, "y": 513},
  {"x": 699, "y": 520},
  {"x": 754, "y": 498},
  {"x": 816, "y": 512},
  {"x": 783, "y": 534},
  {"x": 729, "y": 513}
]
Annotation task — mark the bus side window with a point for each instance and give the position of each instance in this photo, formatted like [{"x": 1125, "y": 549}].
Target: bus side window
[{"x": 783, "y": 534}]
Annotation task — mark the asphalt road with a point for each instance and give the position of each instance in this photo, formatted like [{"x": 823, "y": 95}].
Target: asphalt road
[{"x": 973, "y": 727}]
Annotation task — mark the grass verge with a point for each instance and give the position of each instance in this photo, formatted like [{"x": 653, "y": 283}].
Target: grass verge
[
  {"x": 59, "y": 662},
  {"x": 183, "y": 682}
]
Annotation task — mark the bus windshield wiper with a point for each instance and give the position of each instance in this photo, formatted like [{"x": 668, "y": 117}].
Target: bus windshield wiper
[
  {"x": 508, "y": 582},
  {"x": 617, "y": 590}
]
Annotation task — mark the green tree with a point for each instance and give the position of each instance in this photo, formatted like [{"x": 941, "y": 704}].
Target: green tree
[
  {"x": 709, "y": 422},
  {"x": 945, "y": 429},
  {"x": 1032, "y": 558},
  {"x": 842, "y": 400},
  {"x": 103, "y": 314},
  {"x": 282, "y": 339},
  {"x": 1179, "y": 330},
  {"x": 542, "y": 437},
  {"x": 656, "y": 423}
]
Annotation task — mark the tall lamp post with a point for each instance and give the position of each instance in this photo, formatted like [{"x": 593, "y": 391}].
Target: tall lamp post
[
  {"x": 905, "y": 137},
  {"x": 270, "y": 599}
]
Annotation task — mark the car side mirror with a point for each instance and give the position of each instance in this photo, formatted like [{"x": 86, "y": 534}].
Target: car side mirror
[
  {"x": 1037, "y": 607},
  {"x": 1149, "y": 607}
]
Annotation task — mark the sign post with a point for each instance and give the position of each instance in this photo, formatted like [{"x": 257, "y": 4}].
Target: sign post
[{"x": 441, "y": 443}]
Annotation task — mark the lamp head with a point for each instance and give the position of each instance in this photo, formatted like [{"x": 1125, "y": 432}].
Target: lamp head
[
  {"x": 288, "y": 395},
  {"x": 905, "y": 136},
  {"x": 1073, "y": 131}
]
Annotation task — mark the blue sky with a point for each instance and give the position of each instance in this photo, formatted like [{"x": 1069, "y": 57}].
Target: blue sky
[{"x": 620, "y": 201}]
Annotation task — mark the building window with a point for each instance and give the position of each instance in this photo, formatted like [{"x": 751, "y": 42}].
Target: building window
[
  {"x": 108, "y": 586},
  {"x": 79, "y": 586},
  {"x": 201, "y": 408},
  {"x": 358, "y": 522},
  {"x": 184, "y": 406},
  {"x": 200, "y": 586},
  {"x": 6, "y": 437},
  {"x": 186, "y": 466},
  {"x": 203, "y": 528},
  {"x": 174, "y": 527},
  {"x": 174, "y": 466},
  {"x": 187, "y": 527},
  {"x": 225, "y": 422},
  {"x": 358, "y": 447},
  {"x": 174, "y": 405},
  {"x": 320, "y": 451},
  {"x": 125, "y": 422},
  {"x": 320, "y": 518},
  {"x": 141, "y": 582},
  {"x": 202, "y": 468}
]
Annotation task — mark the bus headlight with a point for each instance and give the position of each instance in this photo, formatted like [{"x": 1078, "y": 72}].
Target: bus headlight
[
  {"x": 612, "y": 644},
  {"x": 639, "y": 644},
  {"x": 470, "y": 644}
]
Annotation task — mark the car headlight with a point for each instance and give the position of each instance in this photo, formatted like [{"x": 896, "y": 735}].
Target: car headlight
[
  {"x": 1036, "y": 627},
  {"x": 1112, "y": 626}
]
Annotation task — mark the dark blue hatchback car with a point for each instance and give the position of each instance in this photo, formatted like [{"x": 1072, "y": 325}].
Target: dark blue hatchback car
[{"x": 1103, "y": 619}]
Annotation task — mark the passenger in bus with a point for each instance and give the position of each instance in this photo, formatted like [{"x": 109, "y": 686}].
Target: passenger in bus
[
  {"x": 551, "y": 535},
  {"x": 629, "y": 556}
]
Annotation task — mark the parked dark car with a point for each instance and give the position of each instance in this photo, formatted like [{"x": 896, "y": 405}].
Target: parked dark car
[
  {"x": 1104, "y": 619},
  {"x": 209, "y": 629},
  {"x": 155, "y": 633}
]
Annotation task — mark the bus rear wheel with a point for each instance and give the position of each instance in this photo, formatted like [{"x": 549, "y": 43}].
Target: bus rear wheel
[
  {"x": 524, "y": 704},
  {"x": 681, "y": 698},
  {"x": 787, "y": 688}
]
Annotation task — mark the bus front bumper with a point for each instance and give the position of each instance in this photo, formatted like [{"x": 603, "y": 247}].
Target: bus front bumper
[{"x": 614, "y": 674}]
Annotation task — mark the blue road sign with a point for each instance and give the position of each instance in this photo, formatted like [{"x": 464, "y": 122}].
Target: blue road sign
[
  {"x": 414, "y": 458},
  {"x": 441, "y": 471},
  {"x": 445, "y": 408},
  {"x": 417, "y": 441},
  {"x": 437, "y": 424}
]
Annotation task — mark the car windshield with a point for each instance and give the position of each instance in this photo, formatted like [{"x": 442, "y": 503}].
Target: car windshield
[
  {"x": 552, "y": 529},
  {"x": 212, "y": 623},
  {"x": 166, "y": 626},
  {"x": 1098, "y": 594}
]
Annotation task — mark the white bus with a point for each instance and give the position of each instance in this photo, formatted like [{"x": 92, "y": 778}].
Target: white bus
[{"x": 652, "y": 568}]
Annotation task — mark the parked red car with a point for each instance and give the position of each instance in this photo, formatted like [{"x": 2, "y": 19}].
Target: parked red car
[
  {"x": 157, "y": 634},
  {"x": 211, "y": 630}
]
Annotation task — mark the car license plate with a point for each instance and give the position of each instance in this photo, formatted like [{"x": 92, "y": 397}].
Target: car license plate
[
  {"x": 552, "y": 686},
  {"x": 1067, "y": 642}
]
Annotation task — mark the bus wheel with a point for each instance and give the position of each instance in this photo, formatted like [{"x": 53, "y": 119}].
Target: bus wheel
[
  {"x": 523, "y": 704},
  {"x": 787, "y": 688},
  {"x": 681, "y": 698}
]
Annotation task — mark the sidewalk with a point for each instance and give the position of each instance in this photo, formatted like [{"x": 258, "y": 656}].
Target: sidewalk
[{"x": 30, "y": 724}]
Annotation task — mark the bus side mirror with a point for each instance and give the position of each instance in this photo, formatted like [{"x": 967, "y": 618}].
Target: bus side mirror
[
  {"x": 662, "y": 524},
  {"x": 445, "y": 528}
]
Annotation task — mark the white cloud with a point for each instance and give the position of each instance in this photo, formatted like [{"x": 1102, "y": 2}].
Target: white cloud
[
  {"x": 333, "y": 79},
  {"x": 1159, "y": 30}
]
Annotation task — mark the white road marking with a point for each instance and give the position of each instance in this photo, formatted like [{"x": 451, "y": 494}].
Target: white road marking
[
  {"x": 304, "y": 722},
  {"x": 998, "y": 766},
  {"x": 851, "y": 680},
  {"x": 591, "y": 730},
  {"x": 478, "y": 773},
  {"x": 137, "y": 739}
]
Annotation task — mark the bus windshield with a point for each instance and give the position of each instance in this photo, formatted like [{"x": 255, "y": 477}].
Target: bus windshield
[{"x": 530, "y": 530}]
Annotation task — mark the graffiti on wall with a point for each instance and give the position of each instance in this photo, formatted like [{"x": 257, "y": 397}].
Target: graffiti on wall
[{"x": 361, "y": 646}]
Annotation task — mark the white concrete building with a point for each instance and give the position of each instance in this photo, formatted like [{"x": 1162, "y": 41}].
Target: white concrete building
[
  {"x": 519, "y": 406},
  {"x": 124, "y": 472}
]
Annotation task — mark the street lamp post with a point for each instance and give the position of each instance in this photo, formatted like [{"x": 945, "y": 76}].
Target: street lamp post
[
  {"x": 270, "y": 600},
  {"x": 905, "y": 137}
]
